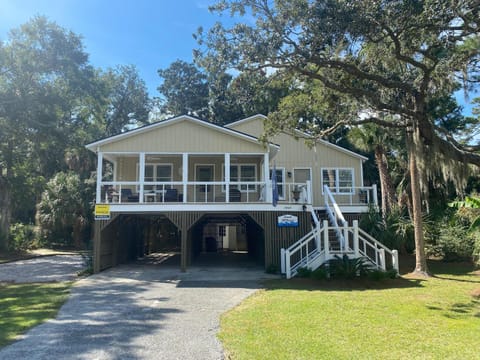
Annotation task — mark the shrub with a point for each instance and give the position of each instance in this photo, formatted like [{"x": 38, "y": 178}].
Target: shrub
[
  {"x": 378, "y": 275},
  {"x": 304, "y": 272},
  {"x": 321, "y": 273},
  {"x": 22, "y": 237},
  {"x": 346, "y": 268}
]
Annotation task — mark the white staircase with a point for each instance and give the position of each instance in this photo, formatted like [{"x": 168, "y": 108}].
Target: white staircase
[{"x": 316, "y": 247}]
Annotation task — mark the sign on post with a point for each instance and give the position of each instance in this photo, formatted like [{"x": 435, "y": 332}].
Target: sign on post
[{"x": 102, "y": 212}]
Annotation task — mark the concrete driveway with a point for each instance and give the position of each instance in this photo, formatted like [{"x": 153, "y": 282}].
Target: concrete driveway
[{"x": 141, "y": 312}]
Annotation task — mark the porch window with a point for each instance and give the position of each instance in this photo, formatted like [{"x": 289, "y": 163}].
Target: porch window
[
  {"x": 243, "y": 173},
  {"x": 157, "y": 173},
  {"x": 280, "y": 174},
  {"x": 339, "y": 180}
]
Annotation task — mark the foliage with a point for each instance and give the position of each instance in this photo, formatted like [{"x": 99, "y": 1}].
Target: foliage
[
  {"x": 23, "y": 306},
  {"x": 304, "y": 272},
  {"x": 63, "y": 212},
  {"x": 370, "y": 319},
  {"x": 22, "y": 237},
  {"x": 378, "y": 275},
  {"x": 321, "y": 273},
  {"x": 346, "y": 268},
  {"x": 395, "y": 230},
  {"x": 184, "y": 89}
]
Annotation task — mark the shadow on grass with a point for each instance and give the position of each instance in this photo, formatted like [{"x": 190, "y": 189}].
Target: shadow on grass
[
  {"x": 460, "y": 310},
  {"x": 360, "y": 284}
]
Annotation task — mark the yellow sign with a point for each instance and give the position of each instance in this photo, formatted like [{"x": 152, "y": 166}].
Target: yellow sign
[{"x": 102, "y": 212}]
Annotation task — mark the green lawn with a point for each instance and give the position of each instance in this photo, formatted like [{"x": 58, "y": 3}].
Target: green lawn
[
  {"x": 23, "y": 306},
  {"x": 404, "y": 318}
]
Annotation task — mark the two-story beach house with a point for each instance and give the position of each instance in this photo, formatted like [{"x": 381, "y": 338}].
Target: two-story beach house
[{"x": 190, "y": 187}]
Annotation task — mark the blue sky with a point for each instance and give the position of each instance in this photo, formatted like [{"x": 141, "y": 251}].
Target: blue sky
[
  {"x": 147, "y": 33},
  {"x": 150, "y": 34}
]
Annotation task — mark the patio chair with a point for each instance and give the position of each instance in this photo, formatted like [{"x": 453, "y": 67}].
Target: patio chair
[{"x": 171, "y": 195}]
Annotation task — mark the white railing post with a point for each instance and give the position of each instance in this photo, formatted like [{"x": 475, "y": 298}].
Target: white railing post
[
  {"x": 282, "y": 261},
  {"x": 185, "y": 176},
  {"x": 309, "y": 192},
  {"x": 375, "y": 195},
  {"x": 98, "y": 198},
  {"x": 355, "y": 239},
  {"x": 395, "y": 260},
  {"x": 326, "y": 240},
  {"x": 288, "y": 270},
  {"x": 141, "y": 177},
  {"x": 345, "y": 238},
  {"x": 382, "y": 259}
]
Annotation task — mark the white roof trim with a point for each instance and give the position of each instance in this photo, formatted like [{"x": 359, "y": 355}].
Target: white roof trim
[
  {"x": 253, "y": 117},
  {"x": 93, "y": 146}
]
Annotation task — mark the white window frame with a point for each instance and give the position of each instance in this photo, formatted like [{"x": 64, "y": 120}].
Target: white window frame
[
  {"x": 249, "y": 188},
  {"x": 154, "y": 165},
  {"x": 281, "y": 195},
  {"x": 336, "y": 189}
]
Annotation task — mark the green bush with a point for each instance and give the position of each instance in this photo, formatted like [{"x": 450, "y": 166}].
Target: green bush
[
  {"x": 22, "y": 237},
  {"x": 304, "y": 272},
  {"x": 346, "y": 268},
  {"x": 378, "y": 275},
  {"x": 321, "y": 273}
]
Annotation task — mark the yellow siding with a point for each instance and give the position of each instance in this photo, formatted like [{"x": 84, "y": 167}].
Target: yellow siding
[
  {"x": 183, "y": 136},
  {"x": 294, "y": 153}
]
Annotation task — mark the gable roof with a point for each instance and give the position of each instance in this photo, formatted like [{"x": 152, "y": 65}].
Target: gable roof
[
  {"x": 143, "y": 129},
  {"x": 302, "y": 134}
]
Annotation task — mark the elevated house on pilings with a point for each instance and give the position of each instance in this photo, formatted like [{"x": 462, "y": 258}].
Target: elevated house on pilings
[{"x": 186, "y": 187}]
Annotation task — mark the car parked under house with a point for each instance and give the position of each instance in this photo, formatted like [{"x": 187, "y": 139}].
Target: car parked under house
[{"x": 189, "y": 185}]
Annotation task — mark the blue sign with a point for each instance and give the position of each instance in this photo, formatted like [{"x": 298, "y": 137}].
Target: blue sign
[{"x": 288, "y": 221}]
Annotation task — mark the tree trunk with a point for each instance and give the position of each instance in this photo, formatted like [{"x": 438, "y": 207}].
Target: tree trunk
[
  {"x": 415, "y": 152},
  {"x": 386, "y": 183},
  {"x": 5, "y": 212}
]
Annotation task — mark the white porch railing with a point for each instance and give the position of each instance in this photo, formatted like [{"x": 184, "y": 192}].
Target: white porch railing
[{"x": 121, "y": 192}]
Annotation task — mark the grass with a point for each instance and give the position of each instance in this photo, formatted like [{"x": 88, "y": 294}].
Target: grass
[
  {"x": 23, "y": 306},
  {"x": 435, "y": 318}
]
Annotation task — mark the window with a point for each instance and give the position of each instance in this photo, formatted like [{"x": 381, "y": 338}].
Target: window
[
  {"x": 157, "y": 173},
  {"x": 280, "y": 182},
  {"x": 339, "y": 181},
  {"x": 243, "y": 173}
]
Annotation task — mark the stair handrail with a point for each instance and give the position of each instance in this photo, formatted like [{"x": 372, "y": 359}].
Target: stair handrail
[
  {"x": 380, "y": 250},
  {"x": 334, "y": 215},
  {"x": 306, "y": 257}
]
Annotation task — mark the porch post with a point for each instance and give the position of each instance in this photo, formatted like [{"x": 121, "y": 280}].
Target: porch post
[
  {"x": 227, "y": 177},
  {"x": 355, "y": 239},
  {"x": 375, "y": 195},
  {"x": 141, "y": 177},
  {"x": 185, "y": 175},
  {"x": 266, "y": 177},
  {"x": 98, "y": 199}
]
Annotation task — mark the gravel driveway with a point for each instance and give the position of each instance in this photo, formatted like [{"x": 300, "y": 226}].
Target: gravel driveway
[
  {"x": 141, "y": 312},
  {"x": 42, "y": 269}
]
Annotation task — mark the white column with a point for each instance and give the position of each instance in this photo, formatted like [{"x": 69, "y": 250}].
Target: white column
[
  {"x": 266, "y": 175},
  {"x": 185, "y": 175},
  {"x": 375, "y": 196},
  {"x": 227, "y": 177},
  {"x": 99, "y": 177},
  {"x": 142, "y": 176}
]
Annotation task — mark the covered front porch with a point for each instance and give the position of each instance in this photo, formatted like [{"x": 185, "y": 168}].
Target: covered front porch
[{"x": 192, "y": 178}]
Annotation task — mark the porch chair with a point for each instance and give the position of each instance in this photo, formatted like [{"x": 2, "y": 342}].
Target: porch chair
[{"x": 171, "y": 195}]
